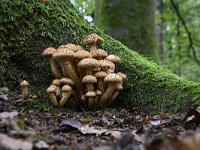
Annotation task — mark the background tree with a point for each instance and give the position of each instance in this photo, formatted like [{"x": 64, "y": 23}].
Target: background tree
[{"x": 132, "y": 22}]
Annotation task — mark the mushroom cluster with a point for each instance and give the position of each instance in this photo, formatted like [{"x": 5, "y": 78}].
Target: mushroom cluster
[{"x": 89, "y": 75}]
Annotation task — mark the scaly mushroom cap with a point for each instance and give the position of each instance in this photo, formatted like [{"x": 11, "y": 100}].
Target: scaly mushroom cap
[
  {"x": 67, "y": 81},
  {"x": 51, "y": 89},
  {"x": 93, "y": 39},
  {"x": 63, "y": 53},
  {"x": 113, "y": 77},
  {"x": 56, "y": 82},
  {"x": 99, "y": 53},
  {"x": 66, "y": 88},
  {"x": 106, "y": 63},
  {"x": 34, "y": 97},
  {"x": 49, "y": 51},
  {"x": 98, "y": 92},
  {"x": 24, "y": 83},
  {"x": 74, "y": 47},
  {"x": 81, "y": 54},
  {"x": 100, "y": 74},
  {"x": 90, "y": 94},
  {"x": 89, "y": 79},
  {"x": 122, "y": 75},
  {"x": 113, "y": 58},
  {"x": 88, "y": 63}
]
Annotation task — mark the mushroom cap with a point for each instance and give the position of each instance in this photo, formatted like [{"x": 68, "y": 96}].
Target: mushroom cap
[
  {"x": 119, "y": 86},
  {"x": 113, "y": 58},
  {"x": 99, "y": 53},
  {"x": 90, "y": 94},
  {"x": 51, "y": 89},
  {"x": 100, "y": 74},
  {"x": 71, "y": 46},
  {"x": 106, "y": 63},
  {"x": 66, "y": 88},
  {"x": 93, "y": 39},
  {"x": 49, "y": 51},
  {"x": 113, "y": 77},
  {"x": 80, "y": 54},
  {"x": 56, "y": 82},
  {"x": 67, "y": 81},
  {"x": 122, "y": 75},
  {"x": 88, "y": 63},
  {"x": 24, "y": 83},
  {"x": 63, "y": 53},
  {"x": 34, "y": 97},
  {"x": 89, "y": 79},
  {"x": 98, "y": 92}
]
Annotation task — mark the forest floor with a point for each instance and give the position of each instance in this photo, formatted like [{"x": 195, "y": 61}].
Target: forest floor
[{"x": 28, "y": 124}]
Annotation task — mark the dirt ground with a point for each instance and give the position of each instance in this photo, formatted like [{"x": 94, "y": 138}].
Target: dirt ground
[{"x": 35, "y": 124}]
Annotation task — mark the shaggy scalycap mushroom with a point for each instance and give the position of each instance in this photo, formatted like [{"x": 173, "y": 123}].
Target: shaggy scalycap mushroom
[
  {"x": 24, "y": 86},
  {"x": 56, "y": 82},
  {"x": 66, "y": 93},
  {"x": 67, "y": 81},
  {"x": 81, "y": 54},
  {"x": 89, "y": 64},
  {"x": 52, "y": 94},
  {"x": 92, "y": 40},
  {"x": 66, "y": 57},
  {"x": 89, "y": 80},
  {"x": 97, "y": 97},
  {"x": 112, "y": 80},
  {"x": 90, "y": 95},
  {"x": 98, "y": 54},
  {"x": 107, "y": 66},
  {"x": 48, "y": 52},
  {"x": 72, "y": 47},
  {"x": 100, "y": 77},
  {"x": 114, "y": 59}
]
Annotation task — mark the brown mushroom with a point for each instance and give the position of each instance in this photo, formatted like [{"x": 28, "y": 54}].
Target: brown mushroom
[
  {"x": 66, "y": 93},
  {"x": 114, "y": 59},
  {"x": 107, "y": 66},
  {"x": 34, "y": 97},
  {"x": 56, "y": 82},
  {"x": 89, "y": 80},
  {"x": 66, "y": 57},
  {"x": 92, "y": 40},
  {"x": 52, "y": 94},
  {"x": 48, "y": 52},
  {"x": 98, "y": 54},
  {"x": 89, "y": 64},
  {"x": 96, "y": 99},
  {"x": 67, "y": 81},
  {"x": 24, "y": 86},
  {"x": 100, "y": 77},
  {"x": 81, "y": 54},
  {"x": 71, "y": 46},
  {"x": 112, "y": 80},
  {"x": 90, "y": 95}
]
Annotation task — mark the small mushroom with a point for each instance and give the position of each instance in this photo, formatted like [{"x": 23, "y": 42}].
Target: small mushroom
[
  {"x": 107, "y": 66},
  {"x": 72, "y": 47},
  {"x": 52, "y": 94},
  {"x": 89, "y": 80},
  {"x": 92, "y": 40},
  {"x": 100, "y": 77},
  {"x": 114, "y": 59},
  {"x": 66, "y": 57},
  {"x": 90, "y": 95},
  {"x": 56, "y": 82},
  {"x": 112, "y": 80},
  {"x": 89, "y": 64},
  {"x": 67, "y": 81},
  {"x": 48, "y": 52},
  {"x": 66, "y": 93},
  {"x": 34, "y": 97},
  {"x": 24, "y": 86},
  {"x": 81, "y": 54},
  {"x": 99, "y": 54}
]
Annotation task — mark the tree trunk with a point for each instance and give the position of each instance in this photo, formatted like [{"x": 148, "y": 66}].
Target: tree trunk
[
  {"x": 132, "y": 22},
  {"x": 27, "y": 28}
]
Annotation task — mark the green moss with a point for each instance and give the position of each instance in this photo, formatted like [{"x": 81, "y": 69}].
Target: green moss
[{"x": 32, "y": 26}]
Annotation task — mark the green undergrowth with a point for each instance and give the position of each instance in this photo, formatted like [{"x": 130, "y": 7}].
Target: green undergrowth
[{"x": 28, "y": 27}]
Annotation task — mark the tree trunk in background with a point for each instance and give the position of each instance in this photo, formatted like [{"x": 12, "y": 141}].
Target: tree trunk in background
[
  {"x": 132, "y": 22},
  {"x": 28, "y": 27}
]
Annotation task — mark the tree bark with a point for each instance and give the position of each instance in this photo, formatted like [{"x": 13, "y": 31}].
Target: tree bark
[
  {"x": 28, "y": 27},
  {"x": 132, "y": 22}
]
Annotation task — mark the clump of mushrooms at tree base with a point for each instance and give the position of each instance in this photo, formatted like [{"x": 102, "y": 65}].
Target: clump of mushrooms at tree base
[{"x": 87, "y": 75}]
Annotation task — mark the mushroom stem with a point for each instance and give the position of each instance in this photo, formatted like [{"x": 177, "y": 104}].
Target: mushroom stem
[
  {"x": 69, "y": 70},
  {"x": 100, "y": 84},
  {"x": 114, "y": 96},
  {"x": 53, "y": 99},
  {"x": 64, "y": 99},
  {"x": 89, "y": 72},
  {"x": 93, "y": 47},
  {"x": 107, "y": 94},
  {"x": 25, "y": 92},
  {"x": 90, "y": 102},
  {"x": 54, "y": 69},
  {"x": 89, "y": 87}
]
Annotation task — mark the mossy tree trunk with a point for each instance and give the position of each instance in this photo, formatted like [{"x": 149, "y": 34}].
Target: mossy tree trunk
[
  {"x": 27, "y": 27},
  {"x": 132, "y": 22}
]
